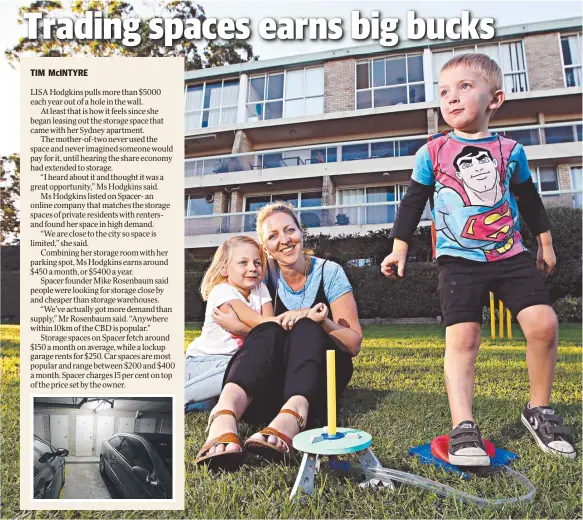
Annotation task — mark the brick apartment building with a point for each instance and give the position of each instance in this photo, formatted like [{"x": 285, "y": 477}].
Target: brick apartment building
[{"x": 335, "y": 133}]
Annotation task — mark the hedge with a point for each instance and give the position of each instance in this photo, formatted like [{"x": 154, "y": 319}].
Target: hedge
[
  {"x": 194, "y": 307},
  {"x": 10, "y": 297},
  {"x": 569, "y": 309},
  {"x": 413, "y": 296}
]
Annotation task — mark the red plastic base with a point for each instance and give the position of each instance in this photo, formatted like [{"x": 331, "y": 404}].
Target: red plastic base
[{"x": 440, "y": 445}]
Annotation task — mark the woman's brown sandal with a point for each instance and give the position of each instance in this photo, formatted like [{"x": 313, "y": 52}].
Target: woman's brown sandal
[
  {"x": 227, "y": 460},
  {"x": 269, "y": 451}
]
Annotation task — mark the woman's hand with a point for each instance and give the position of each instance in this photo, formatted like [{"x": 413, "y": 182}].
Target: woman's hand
[
  {"x": 227, "y": 318},
  {"x": 288, "y": 319},
  {"x": 318, "y": 313}
]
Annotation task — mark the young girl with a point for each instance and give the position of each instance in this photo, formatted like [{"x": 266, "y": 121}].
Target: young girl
[{"x": 233, "y": 279}]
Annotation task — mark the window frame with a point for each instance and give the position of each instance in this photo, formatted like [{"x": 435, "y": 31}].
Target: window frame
[
  {"x": 565, "y": 67},
  {"x": 537, "y": 181},
  {"x": 187, "y": 209},
  {"x": 283, "y": 99},
  {"x": 221, "y": 107},
  {"x": 476, "y": 47},
  {"x": 372, "y": 88},
  {"x": 280, "y": 192}
]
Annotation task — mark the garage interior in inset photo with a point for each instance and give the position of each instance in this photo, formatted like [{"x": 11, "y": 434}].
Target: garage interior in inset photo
[{"x": 102, "y": 447}]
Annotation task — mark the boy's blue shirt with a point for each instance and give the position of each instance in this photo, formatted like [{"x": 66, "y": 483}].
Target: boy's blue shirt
[{"x": 475, "y": 213}]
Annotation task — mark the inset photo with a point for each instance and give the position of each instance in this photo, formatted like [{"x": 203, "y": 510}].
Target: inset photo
[{"x": 101, "y": 448}]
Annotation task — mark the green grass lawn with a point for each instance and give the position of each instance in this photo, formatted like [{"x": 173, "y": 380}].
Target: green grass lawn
[{"x": 397, "y": 394}]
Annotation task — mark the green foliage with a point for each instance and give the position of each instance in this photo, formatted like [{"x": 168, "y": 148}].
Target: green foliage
[
  {"x": 9, "y": 195},
  {"x": 566, "y": 231},
  {"x": 197, "y": 54},
  {"x": 193, "y": 304},
  {"x": 373, "y": 246},
  {"x": 569, "y": 310},
  {"x": 10, "y": 297},
  {"x": 415, "y": 295}
]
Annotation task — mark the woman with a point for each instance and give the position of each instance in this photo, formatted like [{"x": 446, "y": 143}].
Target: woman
[{"x": 282, "y": 367}]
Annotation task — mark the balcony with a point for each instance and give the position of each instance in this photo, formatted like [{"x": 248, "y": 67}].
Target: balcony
[
  {"x": 224, "y": 169},
  {"x": 211, "y": 230},
  {"x": 305, "y": 155}
]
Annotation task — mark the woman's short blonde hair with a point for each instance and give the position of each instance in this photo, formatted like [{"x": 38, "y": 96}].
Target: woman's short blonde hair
[
  {"x": 275, "y": 207},
  {"x": 213, "y": 275}
]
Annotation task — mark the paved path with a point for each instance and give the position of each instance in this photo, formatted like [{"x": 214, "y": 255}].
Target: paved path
[{"x": 84, "y": 481}]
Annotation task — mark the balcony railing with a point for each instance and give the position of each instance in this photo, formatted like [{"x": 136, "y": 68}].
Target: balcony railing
[
  {"x": 306, "y": 155},
  {"x": 528, "y": 135},
  {"x": 314, "y": 217},
  {"x": 568, "y": 198},
  {"x": 339, "y": 215}
]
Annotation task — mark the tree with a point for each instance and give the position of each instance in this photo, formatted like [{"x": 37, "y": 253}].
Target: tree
[
  {"x": 210, "y": 53},
  {"x": 9, "y": 195}
]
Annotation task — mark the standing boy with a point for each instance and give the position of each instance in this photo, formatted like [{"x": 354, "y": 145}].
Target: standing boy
[{"x": 474, "y": 176}]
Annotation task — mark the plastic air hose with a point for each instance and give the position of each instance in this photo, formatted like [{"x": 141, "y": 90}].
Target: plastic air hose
[{"x": 449, "y": 492}]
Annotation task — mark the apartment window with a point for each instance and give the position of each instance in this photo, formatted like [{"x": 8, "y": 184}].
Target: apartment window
[
  {"x": 368, "y": 214},
  {"x": 211, "y": 104},
  {"x": 324, "y": 155},
  {"x": 577, "y": 184},
  {"x": 197, "y": 205},
  {"x": 380, "y": 149},
  {"x": 545, "y": 178},
  {"x": 508, "y": 55},
  {"x": 528, "y": 137},
  {"x": 561, "y": 134},
  {"x": 390, "y": 81},
  {"x": 297, "y": 200},
  {"x": 291, "y": 93},
  {"x": 571, "y": 48}
]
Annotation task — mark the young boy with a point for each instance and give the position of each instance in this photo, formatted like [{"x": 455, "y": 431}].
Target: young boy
[{"x": 479, "y": 181}]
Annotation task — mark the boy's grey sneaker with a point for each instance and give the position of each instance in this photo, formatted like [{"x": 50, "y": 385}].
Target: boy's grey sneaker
[
  {"x": 546, "y": 427},
  {"x": 466, "y": 447}
]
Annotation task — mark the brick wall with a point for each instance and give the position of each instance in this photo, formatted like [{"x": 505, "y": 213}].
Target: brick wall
[
  {"x": 339, "y": 79},
  {"x": 221, "y": 202},
  {"x": 543, "y": 61},
  {"x": 328, "y": 191},
  {"x": 564, "y": 178}
]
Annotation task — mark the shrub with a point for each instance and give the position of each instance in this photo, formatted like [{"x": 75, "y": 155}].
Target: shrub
[
  {"x": 194, "y": 307},
  {"x": 566, "y": 232},
  {"x": 10, "y": 298},
  {"x": 569, "y": 309},
  {"x": 373, "y": 246},
  {"x": 414, "y": 295}
]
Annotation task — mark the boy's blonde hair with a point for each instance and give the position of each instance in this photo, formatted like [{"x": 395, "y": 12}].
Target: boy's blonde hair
[
  {"x": 275, "y": 207},
  {"x": 481, "y": 63},
  {"x": 213, "y": 275}
]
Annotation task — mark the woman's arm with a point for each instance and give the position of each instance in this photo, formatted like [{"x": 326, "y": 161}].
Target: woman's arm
[{"x": 345, "y": 329}]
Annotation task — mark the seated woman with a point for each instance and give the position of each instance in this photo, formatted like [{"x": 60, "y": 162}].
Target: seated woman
[{"x": 281, "y": 369}]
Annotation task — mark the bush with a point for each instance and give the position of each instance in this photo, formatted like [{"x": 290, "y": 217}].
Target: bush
[
  {"x": 195, "y": 264},
  {"x": 566, "y": 232},
  {"x": 194, "y": 307},
  {"x": 372, "y": 247},
  {"x": 10, "y": 299},
  {"x": 413, "y": 296},
  {"x": 569, "y": 310},
  {"x": 10, "y": 256}
]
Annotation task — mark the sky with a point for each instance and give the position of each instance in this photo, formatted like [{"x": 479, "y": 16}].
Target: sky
[{"x": 504, "y": 12}]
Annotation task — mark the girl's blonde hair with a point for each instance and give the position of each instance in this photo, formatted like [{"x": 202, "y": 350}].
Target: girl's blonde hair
[
  {"x": 213, "y": 275},
  {"x": 275, "y": 207}
]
